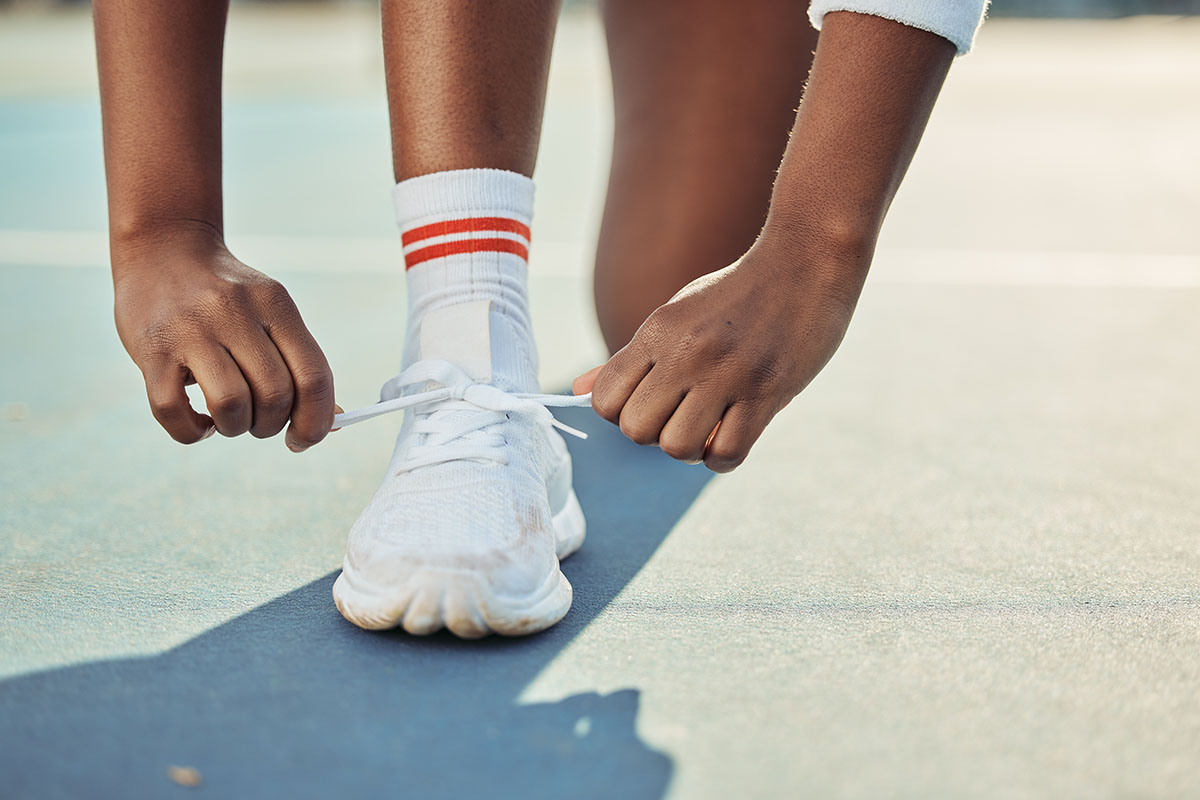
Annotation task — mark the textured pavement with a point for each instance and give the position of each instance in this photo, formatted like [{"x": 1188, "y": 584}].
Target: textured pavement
[{"x": 964, "y": 563}]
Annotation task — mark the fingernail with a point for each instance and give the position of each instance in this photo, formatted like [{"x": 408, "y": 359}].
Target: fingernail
[
  {"x": 208, "y": 433},
  {"x": 295, "y": 447}
]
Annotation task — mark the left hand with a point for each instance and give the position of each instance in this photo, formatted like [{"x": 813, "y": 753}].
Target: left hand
[{"x": 707, "y": 371}]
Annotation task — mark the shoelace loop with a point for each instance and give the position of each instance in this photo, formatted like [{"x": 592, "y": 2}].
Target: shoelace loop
[{"x": 453, "y": 437}]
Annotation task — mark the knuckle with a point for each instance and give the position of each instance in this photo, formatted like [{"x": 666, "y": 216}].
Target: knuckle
[
  {"x": 231, "y": 405},
  {"x": 638, "y": 431},
  {"x": 679, "y": 448},
  {"x": 762, "y": 375},
  {"x": 275, "y": 398},
  {"x": 606, "y": 405},
  {"x": 271, "y": 289},
  {"x": 238, "y": 289},
  {"x": 273, "y": 294},
  {"x": 657, "y": 328},
  {"x": 278, "y": 306},
  {"x": 166, "y": 409},
  {"x": 219, "y": 303},
  {"x": 315, "y": 385},
  {"x": 725, "y": 455},
  {"x": 212, "y": 300}
]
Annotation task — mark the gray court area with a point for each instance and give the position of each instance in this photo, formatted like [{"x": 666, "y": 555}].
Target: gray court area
[{"x": 964, "y": 563}]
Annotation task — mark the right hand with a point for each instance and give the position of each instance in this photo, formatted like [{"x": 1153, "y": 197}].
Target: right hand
[{"x": 195, "y": 314}]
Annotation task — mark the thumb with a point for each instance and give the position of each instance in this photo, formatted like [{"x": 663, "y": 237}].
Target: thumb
[{"x": 583, "y": 384}]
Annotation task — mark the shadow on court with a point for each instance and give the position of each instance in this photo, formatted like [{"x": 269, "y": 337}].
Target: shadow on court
[{"x": 289, "y": 700}]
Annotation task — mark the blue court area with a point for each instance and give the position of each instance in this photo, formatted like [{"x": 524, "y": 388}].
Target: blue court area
[{"x": 964, "y": 563}]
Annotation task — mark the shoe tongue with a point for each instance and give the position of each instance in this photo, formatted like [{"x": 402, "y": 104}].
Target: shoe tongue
[{"x": 461, "y": 334}]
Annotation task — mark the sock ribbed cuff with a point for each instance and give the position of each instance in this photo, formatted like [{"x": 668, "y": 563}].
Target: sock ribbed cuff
[{"x": 478, "y": 192}]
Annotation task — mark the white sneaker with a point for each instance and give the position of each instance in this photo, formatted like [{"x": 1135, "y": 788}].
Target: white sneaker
[{"x": 467, "y": 529}]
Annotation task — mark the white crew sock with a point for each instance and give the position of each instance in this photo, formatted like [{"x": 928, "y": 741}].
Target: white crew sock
[{"x": 466, "y": 238}]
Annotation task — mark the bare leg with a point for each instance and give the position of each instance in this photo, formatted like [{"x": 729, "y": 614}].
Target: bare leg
[
  {"x": 705, "y": 93},
  {"x": 466, "y": 83}
]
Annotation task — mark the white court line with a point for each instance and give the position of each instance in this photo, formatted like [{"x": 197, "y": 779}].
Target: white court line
[{"x": 335, "y": 254}]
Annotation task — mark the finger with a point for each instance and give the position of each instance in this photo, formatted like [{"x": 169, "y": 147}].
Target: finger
[
  {"x": 270, "y": 381},
  {"x": 312, "y": 408},
  {"x": 226, "y": 392},
  {"x": 651, "y": 405},
  {"x": 738, "y": 431},
  {"x": 616, "y": 380},
  {"x": 170, "y": 406},
  {"x": 583, "y": 384},
  {"x": 687, "y": 432}
]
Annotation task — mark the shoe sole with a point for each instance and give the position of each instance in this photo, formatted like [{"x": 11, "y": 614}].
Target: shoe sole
[{"x": 461, "y": 601}]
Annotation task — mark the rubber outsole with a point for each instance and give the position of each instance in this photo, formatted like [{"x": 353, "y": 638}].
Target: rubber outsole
[{"x": 460, "y": 600}]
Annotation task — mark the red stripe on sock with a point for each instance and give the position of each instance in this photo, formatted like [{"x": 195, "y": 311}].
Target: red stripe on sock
[
  {"x": 468, "y": 225},
  {"x": 465, "y": 246}
]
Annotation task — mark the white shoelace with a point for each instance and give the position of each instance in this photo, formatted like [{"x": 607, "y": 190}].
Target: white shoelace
[{"x": 450, "y": 435}]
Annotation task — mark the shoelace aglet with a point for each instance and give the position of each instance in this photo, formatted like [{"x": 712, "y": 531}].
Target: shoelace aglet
[{"x": 565, "y": 428}]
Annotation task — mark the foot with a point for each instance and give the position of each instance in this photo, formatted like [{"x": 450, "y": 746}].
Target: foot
[{"x": 474, "y": 514}]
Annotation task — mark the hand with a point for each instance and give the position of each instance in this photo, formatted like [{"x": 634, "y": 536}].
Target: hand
[
  {"x": 707, "y": 371},
  {"x": 195, "y": 314}
]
